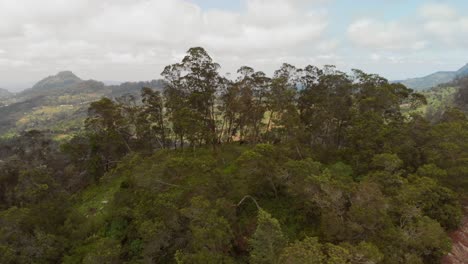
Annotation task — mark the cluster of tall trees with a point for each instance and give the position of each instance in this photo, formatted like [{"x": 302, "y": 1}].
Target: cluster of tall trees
[
  {"x": 308, "y": 166},
  {"x": 323, "y": 109}
]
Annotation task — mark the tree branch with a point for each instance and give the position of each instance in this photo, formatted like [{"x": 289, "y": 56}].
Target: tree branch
[{"x": 251, "y": 198}]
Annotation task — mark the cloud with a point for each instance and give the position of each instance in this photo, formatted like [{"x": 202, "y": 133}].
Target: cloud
[
  {"x": 444, "y": 24},
  {"x": 98, "y": 36},
  {"x": 373, "y": 34},
  {"x": 434, "y": 26},
  {"x": 375, "y": 57},
  {"x": 135, "y": 39},
  {"x": 437, "y": 11}
]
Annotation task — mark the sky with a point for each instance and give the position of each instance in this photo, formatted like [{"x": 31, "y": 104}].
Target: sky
[{"x": 130, "y": 40}]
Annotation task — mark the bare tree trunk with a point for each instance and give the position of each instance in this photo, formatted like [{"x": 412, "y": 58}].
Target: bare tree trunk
[
  {"x": 274, "y": 187},
  {"x": 230, "y": 130},
  {"x": 125, "y": 141},
  {"x": 269, "y": 121},
  {"x": 221, "y": 133}
]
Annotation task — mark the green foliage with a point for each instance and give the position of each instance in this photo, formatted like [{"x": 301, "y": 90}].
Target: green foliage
[
  {"x": 387, "y": 162},
  {"x": 211, "y": 234},
  {"x": 308, "y": 251},
  {"x": 268, "y": 240},
  {"x": 214, "y": 170},
  {"x": 311, "y": 251}
]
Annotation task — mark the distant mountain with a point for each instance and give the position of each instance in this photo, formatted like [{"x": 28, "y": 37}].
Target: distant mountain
[
  {"x": 429, "y": 81},
  {"x": 109, "y": 82},
  {"x": 59, "y": 103},
  {"x": 62, "y": 79},
  {"x": 434, "y": 79},
  {"x": 134, "y": 88},
  {"x": 463, "y": 71}
]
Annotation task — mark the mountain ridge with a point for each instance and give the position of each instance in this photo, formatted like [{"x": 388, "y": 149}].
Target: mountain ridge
[
  {"x": 463, "y": 70},
  {"x": 434, "y": 79}
]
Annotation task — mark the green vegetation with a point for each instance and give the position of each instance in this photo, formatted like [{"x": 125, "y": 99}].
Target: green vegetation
[
  {"x": 309, "y": 166},
  {"x": 58, "y": 104},
  {"x": 438, "y": 99}
]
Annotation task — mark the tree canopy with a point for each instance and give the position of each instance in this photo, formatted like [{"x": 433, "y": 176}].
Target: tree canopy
[{"x": 310, "y": 165}]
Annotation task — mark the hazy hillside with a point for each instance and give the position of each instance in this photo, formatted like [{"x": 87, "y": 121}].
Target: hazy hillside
[
  {"x": 4, "y": 93},
  {"x": 434, "y": 79},
  {"x": 58, "y": 103}
]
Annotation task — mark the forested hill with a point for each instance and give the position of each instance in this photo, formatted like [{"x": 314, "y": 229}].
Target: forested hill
[
  {"x": 435, "y": 79},
  {"x": 251, "y": 170},
  {"x": 4, "y": 93},
  {"x": 59, "y": 81},
  {"x": 59, "y": 103}
]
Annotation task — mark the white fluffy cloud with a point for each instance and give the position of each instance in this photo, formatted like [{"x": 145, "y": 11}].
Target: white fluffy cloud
[
  {"x": 435, "y": 25},
  {"x": 438, "y": 11},
  {"x": 371, "y": 33},
  {"x": 102, "y": 39},
  {"x": 267, "y": 26},
  {"x": 135, "y": 39},
  {"x": 431, "y": 38},
  {"x": 445, "y": 24}
]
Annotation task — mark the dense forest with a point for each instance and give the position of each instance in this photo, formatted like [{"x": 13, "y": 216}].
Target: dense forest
[{"x": 311, "y": 165}]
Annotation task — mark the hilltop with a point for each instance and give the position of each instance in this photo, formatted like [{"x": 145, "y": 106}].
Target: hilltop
[{"x": 60, "y": 80}]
